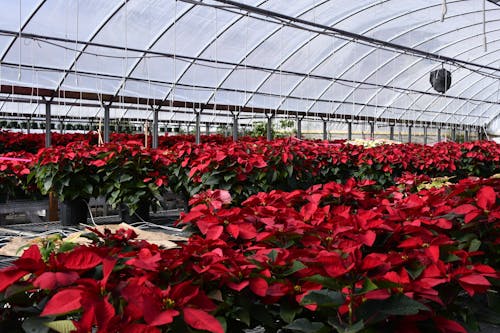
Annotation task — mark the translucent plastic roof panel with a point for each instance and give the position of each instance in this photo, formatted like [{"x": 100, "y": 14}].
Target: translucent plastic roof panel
[
  {"x": 67, "y": 19},
  {"x": 5, "y": 42},
  {"x": 75, "y": 81},
  {"x": 216, "y": 52},
  {"x": 12, "y": 75},
  {"x": 33, "y": 53},
  {"x": 19, "y": 12}
]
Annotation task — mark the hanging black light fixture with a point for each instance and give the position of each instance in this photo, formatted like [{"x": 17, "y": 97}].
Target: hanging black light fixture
[{"x": 440, "y": 80}]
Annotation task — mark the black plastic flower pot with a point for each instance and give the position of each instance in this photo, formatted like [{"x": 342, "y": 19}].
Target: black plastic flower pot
[
  {"x": 140, "y": 214},
  {"x": 4, "y": 197},
  {"x": 73, "y": 212}
]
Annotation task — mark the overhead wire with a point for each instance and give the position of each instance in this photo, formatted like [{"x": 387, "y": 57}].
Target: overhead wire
[
  {"x": 485, "y": 40},
  {"x": 209, "y": 88},
  {"x": 205, "y": 62},
  {"x": 355, "y": 37},
  {"x": 366, "y": 85},
  {"x": 19, "y": 39}
]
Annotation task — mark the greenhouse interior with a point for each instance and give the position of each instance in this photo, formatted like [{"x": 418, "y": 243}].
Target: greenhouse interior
[{"x": 250, "y": 166}]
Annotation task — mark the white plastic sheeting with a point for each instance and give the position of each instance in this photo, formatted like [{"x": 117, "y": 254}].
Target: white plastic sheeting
[
  {"x": 204, "y": 52},
  {"x": 494, "y": 127}
]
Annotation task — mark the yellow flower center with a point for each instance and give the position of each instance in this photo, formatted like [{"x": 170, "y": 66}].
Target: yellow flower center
[{"x": 169, "y": 303}]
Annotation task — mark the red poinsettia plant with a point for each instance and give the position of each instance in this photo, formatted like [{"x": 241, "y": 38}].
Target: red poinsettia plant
[
  {"x": 69, "y": 171},
  {"x": 122, "y": 173},
  {"x": 19, "y": 142},
  {"x": 14, "y": 170},
  {"x": 252, "y": 165},
  {"x": 132, "y": 175},
  {"x": 247, "y": 167},
  {"x": 331, "y": 258}
]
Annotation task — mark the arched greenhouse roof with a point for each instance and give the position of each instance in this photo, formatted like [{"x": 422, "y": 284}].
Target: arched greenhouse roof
[{"x": 363, "y": 59}]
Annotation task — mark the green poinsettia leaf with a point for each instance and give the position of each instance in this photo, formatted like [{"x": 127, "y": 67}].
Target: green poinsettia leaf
[
  {"x": 474, "y": 245},
  {"x": 296, "y": 266},
  {"x": 36, "y": 324},
  {"x": 324, "y": 298},
  {"x": 396, "y": 305},
  {"x": 354, "y": 328},
  {"x": 368, "y": 286},
  {"x": 61, "y": 326},
  {"x": 305, "y": 326},
  {"x": 288, "y": 311},
  {"x": 92, "y": 236}
]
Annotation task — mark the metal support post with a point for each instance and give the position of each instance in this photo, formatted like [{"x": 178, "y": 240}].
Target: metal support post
[
  {"x": 269, "y": 128},
  {"x": 439, "y": 134},
  {"x": 349, "y": 130},
  {"x": 48, "y": 125},
  {"x": 372, "y": 130},
  {"x": 391, "y": 131},
  {"x": 197, "y": 128},
  {"x": 235, "y": 127},
  {"x": 299, "y": 128},
  {"x": 325, "y": 130},
  {"x": 106, "y": 124},
  {"x": 453, "y": 134},
  {"x": 53, "y": 211},
  {"x": 466, "y": 135},
  {"x": 409, "y": 133},
  {"x": 207, "y": 129},
  {"x": 425, "y": 134}
]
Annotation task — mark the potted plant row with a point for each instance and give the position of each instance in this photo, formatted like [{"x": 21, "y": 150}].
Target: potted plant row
[
  {"x": 420, "y": 256},
  {"x": 77, "y": 172},
  {"x": 129, "y": 176}
]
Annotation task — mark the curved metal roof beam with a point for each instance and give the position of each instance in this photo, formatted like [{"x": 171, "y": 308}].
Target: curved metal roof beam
[
  {"x": 420, "y": 60},
  {"x": 420, "y": 77},
  {"x": 447, "y": 113},
  {"x": 482, "y": 113},
  {"x": 255, "y": 47},
  {"x": 4, "y": 102},
  {"x": 429, "y": 88},
  {"x": 291, "y": 53},
  {"x": 477, "y": 93},
  {"x": 205, "y": 47},
  {"x": 440, "y": 113},
  {"x": 26, "y": 22},
  {"x": 331, "y": 54},
  {"x": 97, "y": 112},
  {"x": 161, "y": 84},
  {"x": 151, "y": 45},
  {"x": 412, "y": 83},
  {"x": 212, "y": 41},
  {"x": 387, "y": 62},
  {"x": 325, "y": 58},
  {"x": 69, "y": 110},
  {"x": 417, "y": 61},
  {"x": 490, "y": 106},
  {"x": 473, "y": 84},
  {"x": 492, "y": 119},
  {"x": 415, "y": 81},
  {"x": 92, "y": 37}
]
